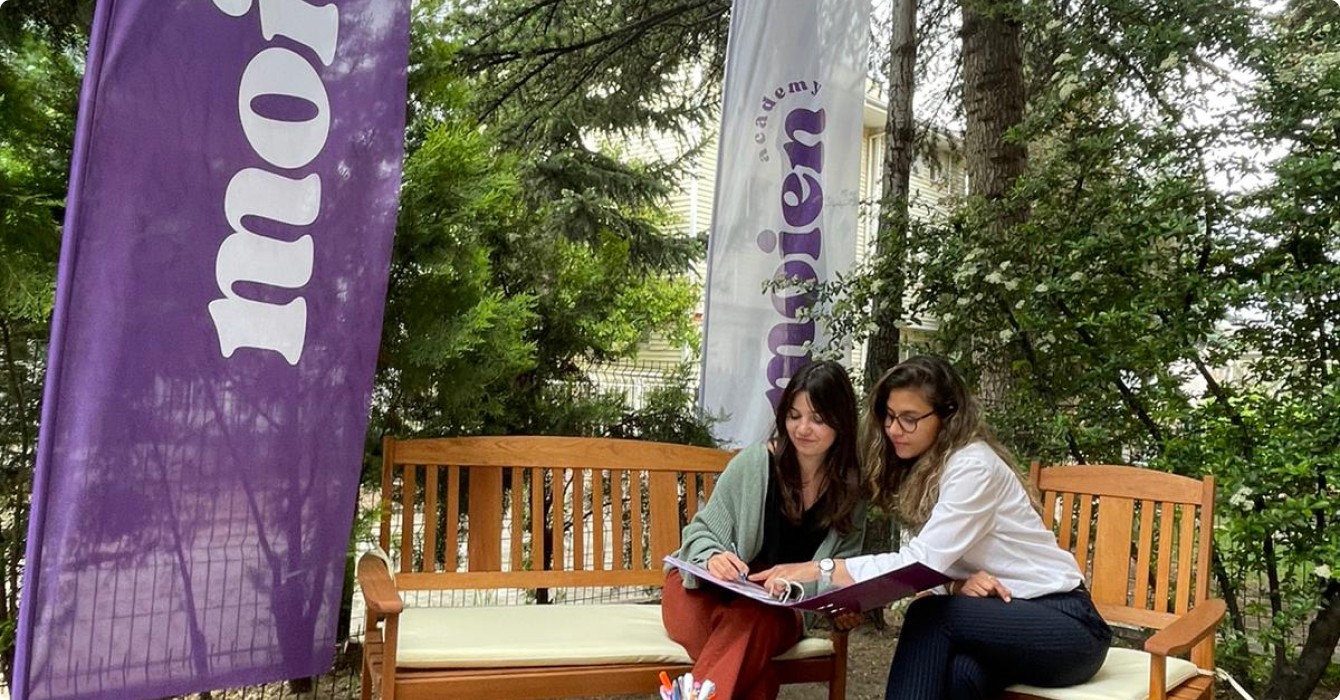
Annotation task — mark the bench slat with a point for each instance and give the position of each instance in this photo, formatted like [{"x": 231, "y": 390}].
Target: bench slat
[
  {"x": 558, "y": 490},
  {"x": 1186, "y": 546},
  {"x": 517, "y": 533},
  {"x": 1142, "y": 554},
  {"x": 561, "y": 453},
  {"x": 578, "y": 519},
  {"x": 537, "y": 519},
  {"x": 430, "y": 515},
  {"x": 464, "y": 580},
  {"x": 616, "y": 516},
  {"x": 664, "y": 515},
  {"x": 1166, "y": 528},
  {"x": 407, "y": 497},
  {"x": 452, "y": 546},
  {"x": 598, "y": 520},
  {"x": 485, "y": 518},
  {"x": 388, "y": 479},
  {"x": 637, "y": 517}
]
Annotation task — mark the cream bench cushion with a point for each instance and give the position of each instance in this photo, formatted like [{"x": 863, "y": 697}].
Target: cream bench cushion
[
  {"x": 1124, "y": 676},
  {"x": 547, "y": 635}
]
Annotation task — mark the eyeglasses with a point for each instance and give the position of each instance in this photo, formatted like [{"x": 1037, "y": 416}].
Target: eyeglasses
[{"x": 906, "y": 421}]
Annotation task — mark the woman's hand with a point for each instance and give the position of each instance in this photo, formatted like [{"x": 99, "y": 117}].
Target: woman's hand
[
  {"x": 727, "y": 566},
  {"x": 982, "y": 585},
  {"x": 773, "y": 579}
]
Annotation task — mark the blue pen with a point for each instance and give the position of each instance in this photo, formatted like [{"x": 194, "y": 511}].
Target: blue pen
[{"x": 744, "y": 575}]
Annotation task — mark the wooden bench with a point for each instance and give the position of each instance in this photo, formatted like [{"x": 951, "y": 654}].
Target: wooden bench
[
  {"x": 540, "y": 519},
  {"x": 1143, "y": 540}
]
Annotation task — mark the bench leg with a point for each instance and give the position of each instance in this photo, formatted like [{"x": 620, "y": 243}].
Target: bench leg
[
  {"x": 390, "y": 634},
  {"x": 837, "y": 685},
  {"x": 365, "y": 687}
]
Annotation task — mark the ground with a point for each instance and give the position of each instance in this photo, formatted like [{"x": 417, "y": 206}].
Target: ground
[{"x": 868, "y": 653}]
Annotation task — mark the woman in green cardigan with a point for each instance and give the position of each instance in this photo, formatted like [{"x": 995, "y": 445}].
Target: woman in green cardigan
[{"x": 796, "y": 497}]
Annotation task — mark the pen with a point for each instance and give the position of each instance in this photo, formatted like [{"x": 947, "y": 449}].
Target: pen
[
  {"x": 665, "y": 680},
  {"x": 735, "y": 549},
  {"x": 708, "y": 688}
]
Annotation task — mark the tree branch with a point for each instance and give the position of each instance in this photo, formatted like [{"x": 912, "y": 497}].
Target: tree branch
[
  {"x": 1128, "y": 396},
  {"x": 1044, "y": 384}
]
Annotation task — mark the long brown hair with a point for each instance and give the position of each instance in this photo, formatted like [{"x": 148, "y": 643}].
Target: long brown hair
[
  {"x": 909, "y": 488},
  {"x": 833, "y": 398}
]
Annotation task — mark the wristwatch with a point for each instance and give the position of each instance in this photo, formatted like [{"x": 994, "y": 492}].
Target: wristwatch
[{"x": 826, "y": 567}]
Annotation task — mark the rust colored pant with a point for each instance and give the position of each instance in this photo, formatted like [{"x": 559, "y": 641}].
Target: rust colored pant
[{"x": 732, "y": 639}]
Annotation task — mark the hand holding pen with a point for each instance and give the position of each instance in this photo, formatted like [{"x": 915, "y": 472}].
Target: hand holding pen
[{"x": 728, "y": 566}]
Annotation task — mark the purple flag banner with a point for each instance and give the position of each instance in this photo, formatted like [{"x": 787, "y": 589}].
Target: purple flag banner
[{"x": 218, "y": 310}]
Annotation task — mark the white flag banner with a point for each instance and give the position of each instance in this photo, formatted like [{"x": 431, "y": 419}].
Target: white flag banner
[{"x": 787, "y": 192}]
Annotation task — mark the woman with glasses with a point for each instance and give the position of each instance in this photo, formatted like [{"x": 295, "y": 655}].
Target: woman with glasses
[
  {"x": 1017, "y": 611},
  {"x": 793, "y": 498}
]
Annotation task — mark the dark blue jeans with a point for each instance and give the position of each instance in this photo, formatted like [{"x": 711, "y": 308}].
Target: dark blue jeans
[{"x": 961, "y": 647}]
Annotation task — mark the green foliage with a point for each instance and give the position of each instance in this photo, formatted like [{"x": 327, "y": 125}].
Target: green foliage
[
  {"x": 613, "y": 67},
  {"x": 39, "y": 81},
  {"x": 1292, "y": 280},
  {"x": 669, "y": 414},
  {"x": 517, "y": 265},
  {"x": 451, "y": 338},
  {"x": 1170, "y": 297},
  {"x": 38, "y": 88},
  {"x": 665, "y": 413},
  {"x": 1285, "y": 494}
]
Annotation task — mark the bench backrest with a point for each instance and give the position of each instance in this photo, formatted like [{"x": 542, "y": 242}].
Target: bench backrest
[
  {"x": 538, "y": 512},
  {"x": 1141, "y": 537}
]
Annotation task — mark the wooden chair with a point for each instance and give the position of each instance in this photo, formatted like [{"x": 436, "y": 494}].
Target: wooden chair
[
  {"x": 1143, "y": 539},
  {"x": 492, "y": 514}
]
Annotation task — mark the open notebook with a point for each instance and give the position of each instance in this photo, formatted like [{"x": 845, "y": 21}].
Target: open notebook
[{"x": 858, "y": 597}]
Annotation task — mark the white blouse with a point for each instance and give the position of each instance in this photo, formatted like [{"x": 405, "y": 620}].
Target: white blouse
[{"x": 982, "y": 522}]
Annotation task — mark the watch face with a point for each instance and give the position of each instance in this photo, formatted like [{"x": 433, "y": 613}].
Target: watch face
[{"x": 826, "y": 566}]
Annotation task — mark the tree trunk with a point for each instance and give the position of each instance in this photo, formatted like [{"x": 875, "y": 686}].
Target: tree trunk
[
  {"x": 891, "y": 235},
  {"x": 993, "y": 103},
  {"x": 882, "y": 351},
  {"x": 1323, "y": 635},
  {"x": 993, "y": 96}
]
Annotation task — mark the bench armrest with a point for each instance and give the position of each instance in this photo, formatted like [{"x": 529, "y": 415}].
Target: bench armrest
[
  {"x": 379, "y": 591},
  {"x": 1187, "y": 630}
]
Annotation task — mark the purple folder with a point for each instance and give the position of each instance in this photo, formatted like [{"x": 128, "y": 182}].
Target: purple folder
[{"x": 859, "y": 597}]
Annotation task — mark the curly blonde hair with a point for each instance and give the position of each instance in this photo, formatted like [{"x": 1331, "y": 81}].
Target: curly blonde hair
[{"x": 909, "y": 488}]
